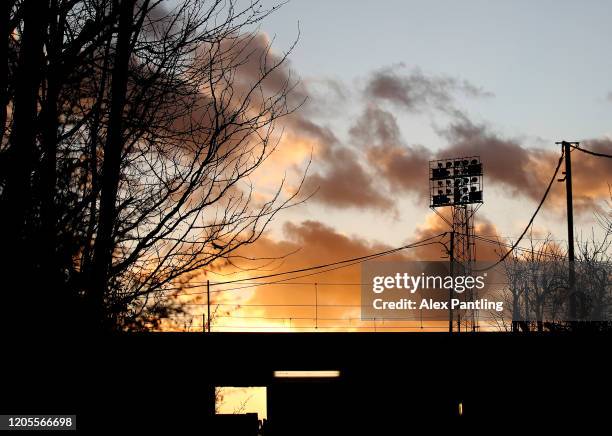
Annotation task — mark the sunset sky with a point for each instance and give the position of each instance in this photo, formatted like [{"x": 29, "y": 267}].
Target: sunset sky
[
  {"x": 248, "y": 187},
  {"x": 390, "y": 85}
]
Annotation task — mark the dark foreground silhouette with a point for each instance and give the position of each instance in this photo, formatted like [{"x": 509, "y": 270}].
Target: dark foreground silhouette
[{"x": 388, "y": 382}]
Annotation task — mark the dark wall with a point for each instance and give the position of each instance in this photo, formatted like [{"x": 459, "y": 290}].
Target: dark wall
[{"x": 388, "y": 380}]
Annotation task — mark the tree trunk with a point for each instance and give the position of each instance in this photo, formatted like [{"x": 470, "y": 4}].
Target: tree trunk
[
  {"x": 20, "y": 162},
  {"x": 111, "y": 167},
  {"x": 4, "y": 34},
  {"x": 50, "y": 267}
]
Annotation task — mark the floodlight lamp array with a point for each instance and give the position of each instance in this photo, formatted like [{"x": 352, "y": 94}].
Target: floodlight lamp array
[{"x": 457, "y": 181}]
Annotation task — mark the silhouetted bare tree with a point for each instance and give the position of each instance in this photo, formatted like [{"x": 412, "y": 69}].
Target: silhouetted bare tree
[
  {"x": 131, "y": 132},
  {"x": 538, "y": 286},
  {"x": 536, "y": 283}
]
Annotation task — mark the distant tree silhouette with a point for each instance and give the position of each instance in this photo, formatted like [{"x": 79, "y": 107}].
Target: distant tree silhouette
[
  {"x": 538, "y": 286},
  {"x": 130, "y": 132},
  {"x": 537, "y": 283}
]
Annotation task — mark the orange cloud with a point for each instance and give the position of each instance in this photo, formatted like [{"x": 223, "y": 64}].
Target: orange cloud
[{"x": 326, "y": 301}]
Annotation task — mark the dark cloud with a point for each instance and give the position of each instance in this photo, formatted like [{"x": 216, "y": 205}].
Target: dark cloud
[
  {"x": 591, "y": 175},
  {"x": 375, "y": 126},
  {"x": 322, "y": 238},
  {"x": 379, "y": 160},
  {"x": 527, "y": 171},
  {"x": 506, "y": 162},
  {"x": 401, "y": 167},
  {"x": 416, "y": 92},
  {"x": 252, "y": 55},
  {"x": 339, "y": 175},
  {"x": 303, "y": 126},
  {"x": 346, "y": 183},
  {"x": 382, "y": 162}
]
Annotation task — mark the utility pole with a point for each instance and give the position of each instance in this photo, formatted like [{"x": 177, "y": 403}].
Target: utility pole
[
  {"x": 208, "y": 302},
  {"x": 567, "y": 148},
  {"x": 452, "y": 273}
]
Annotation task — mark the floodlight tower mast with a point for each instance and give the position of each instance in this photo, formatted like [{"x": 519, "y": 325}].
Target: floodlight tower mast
[{"x": 458, "y": 184}]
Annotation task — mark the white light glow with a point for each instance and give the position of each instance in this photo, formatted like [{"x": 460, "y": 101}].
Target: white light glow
[{"x": 306, "y": 374}]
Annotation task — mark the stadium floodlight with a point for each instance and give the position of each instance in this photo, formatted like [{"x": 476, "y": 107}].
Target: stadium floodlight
[{"x": 463, "y": 178}]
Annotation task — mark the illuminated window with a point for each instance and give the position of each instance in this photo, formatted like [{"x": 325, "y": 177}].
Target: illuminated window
[
  {"x": 240, "y": 400},
  {"x": 306, "y": 374}
]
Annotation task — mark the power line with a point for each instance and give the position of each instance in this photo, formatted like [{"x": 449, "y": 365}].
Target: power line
[
  {"x": 359, "y": 259},
  {"x": 342, "y": 264},
  {"x": 309, "y": 274},
  {"x": 240, "y": 305},
  {"x": 287, "y": 281},
  {"x": 530, "y": 223},
  {"x": 308, "y": 283},
  {"x": 336, "y": 265},
  {"x": 593, "y": 153},
  {"x": 305, "y": 283},
  {"x": 511, "y": 237},
  {"x": 556, "y": 256}
]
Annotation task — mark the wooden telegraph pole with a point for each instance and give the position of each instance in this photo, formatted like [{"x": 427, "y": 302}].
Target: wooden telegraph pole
[{"x": 567, "y": 148}]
